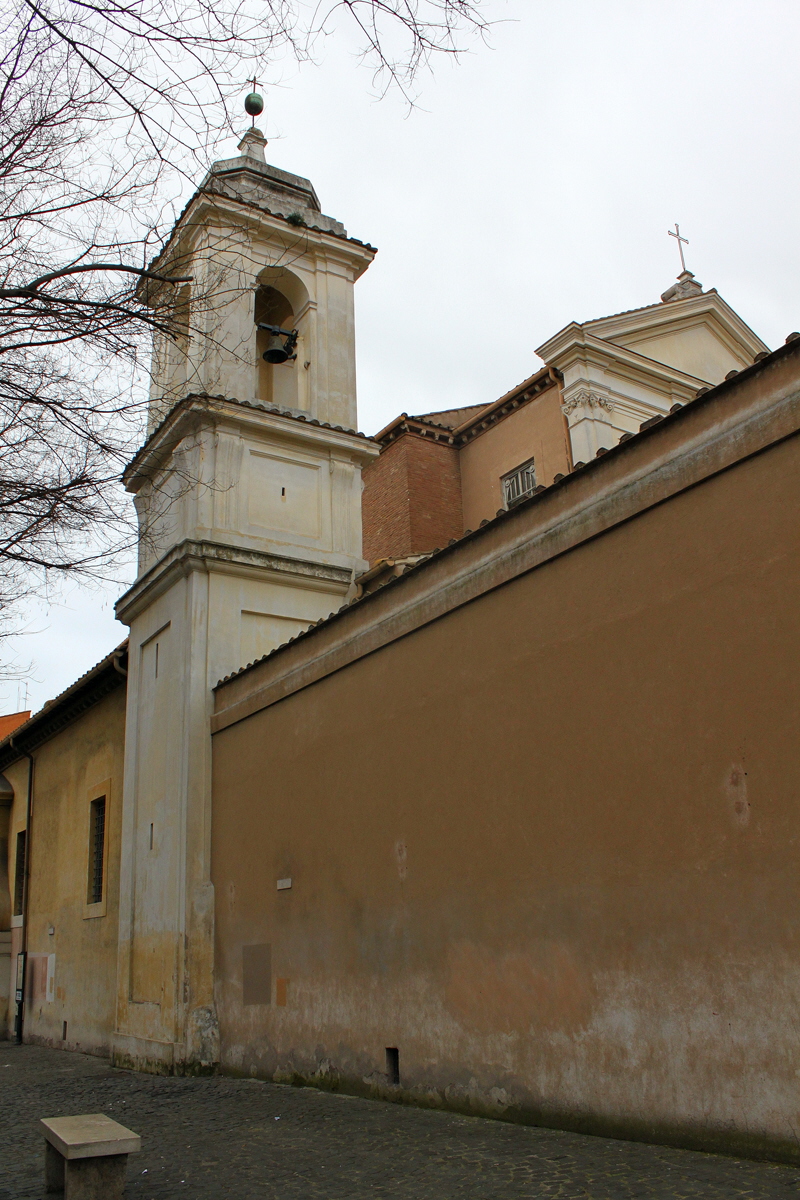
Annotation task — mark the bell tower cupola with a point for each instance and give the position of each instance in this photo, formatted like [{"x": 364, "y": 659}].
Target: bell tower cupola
[{"x": 260, "y": 251}]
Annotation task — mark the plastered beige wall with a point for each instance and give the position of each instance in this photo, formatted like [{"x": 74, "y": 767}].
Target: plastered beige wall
[
  {"x": 81, "y": 762},
  {"x": 545, "y": 846},
  {"x": 535, "y": 430}
]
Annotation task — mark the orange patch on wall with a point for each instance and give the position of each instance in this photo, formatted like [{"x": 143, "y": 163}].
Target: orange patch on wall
[{"x": 512, "y": 992}]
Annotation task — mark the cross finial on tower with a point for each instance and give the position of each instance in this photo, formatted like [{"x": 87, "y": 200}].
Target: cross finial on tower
[{"x": 682, "y": 241}]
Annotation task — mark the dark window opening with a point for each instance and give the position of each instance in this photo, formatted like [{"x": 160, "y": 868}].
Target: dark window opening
[
  {"x": 393, "y": 1065},
  {"x": 64, "y": 1032},
  {"x": 19, "y": 874},
  {"x": 97, "y": 837}
]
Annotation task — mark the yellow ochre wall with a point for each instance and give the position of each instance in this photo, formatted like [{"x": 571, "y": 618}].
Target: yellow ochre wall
[
  {"x": 545, "y": 846},
  {"x": 82, "y": 761},
  {"x": 535, "y": 430}
]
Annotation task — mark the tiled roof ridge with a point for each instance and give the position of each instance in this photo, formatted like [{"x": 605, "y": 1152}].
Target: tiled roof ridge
[
  {"x": 274, "y": 409},
  {"x": 488, "y": 414},
  {"x": 50, "y": 707},
  {"x": 463, "y": 408},
  {"x": 792, "y": 342}
]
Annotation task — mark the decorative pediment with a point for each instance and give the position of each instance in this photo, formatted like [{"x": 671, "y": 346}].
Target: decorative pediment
[
  {"x": 698, "y": 334},
  {"x": 619, "y": 371}
]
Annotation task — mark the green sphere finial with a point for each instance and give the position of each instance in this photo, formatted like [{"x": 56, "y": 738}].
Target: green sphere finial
[{"x": 253, "y": 104}]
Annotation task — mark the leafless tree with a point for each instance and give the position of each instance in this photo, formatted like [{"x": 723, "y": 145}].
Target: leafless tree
[{"x": 107, "y": 109}]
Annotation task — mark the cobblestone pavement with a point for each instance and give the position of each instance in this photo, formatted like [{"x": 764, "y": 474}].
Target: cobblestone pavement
[{"x": 231, "y": 1139}]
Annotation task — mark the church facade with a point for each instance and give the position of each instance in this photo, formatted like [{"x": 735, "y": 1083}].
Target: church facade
[{"x": 452, "y": 765}]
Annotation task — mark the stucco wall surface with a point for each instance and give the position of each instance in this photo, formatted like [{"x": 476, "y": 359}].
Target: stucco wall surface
[
  {"x": 72, "y": 971},
  {"x": 547, "y": 845},
  {"x": 536, "y": 430}
]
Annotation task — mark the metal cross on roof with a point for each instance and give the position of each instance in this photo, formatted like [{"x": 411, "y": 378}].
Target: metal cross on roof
[{"x": 682, "y": 241}]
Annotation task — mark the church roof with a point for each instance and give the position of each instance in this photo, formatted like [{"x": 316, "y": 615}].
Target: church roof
[
  {"x": 104, "y": 677},
  {"x": 450, "y": 418},
  {"x": 704, "y": 395},
  {"x": 478, "y": 417}
]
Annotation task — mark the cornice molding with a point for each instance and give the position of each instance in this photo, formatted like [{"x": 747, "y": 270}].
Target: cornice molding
[
  {"x": 206, "y": 556},
  {"x": 196, "y": 411},
  {"x": 626, "y": 362},
  {"x": 652, "y": 321},
  {"x": 657, "y": 317},
  {"x": 181, "y": 243}
]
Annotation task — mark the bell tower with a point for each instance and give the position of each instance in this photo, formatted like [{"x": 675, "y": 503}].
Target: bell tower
[{"x": 248, "y": 494}]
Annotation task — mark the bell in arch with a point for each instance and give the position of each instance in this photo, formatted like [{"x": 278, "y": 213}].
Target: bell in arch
[
  {"x": 276, "y": 343},
  {"x": 280, "y": 345}
]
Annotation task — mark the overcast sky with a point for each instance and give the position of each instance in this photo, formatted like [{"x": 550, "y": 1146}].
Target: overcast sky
[{"x": 533, "y": 185}]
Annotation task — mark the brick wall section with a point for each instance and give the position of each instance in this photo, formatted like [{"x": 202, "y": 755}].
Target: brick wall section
[
  {"x": 434, "y": 480},
  {"x": 411, "y": 501}
]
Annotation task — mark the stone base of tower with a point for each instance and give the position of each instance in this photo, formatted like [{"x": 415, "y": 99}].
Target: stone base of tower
[{"x": 251, "y": 532}]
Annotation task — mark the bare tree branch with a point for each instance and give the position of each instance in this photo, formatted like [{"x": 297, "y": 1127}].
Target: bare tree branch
[{"x": 108, "y": 110}]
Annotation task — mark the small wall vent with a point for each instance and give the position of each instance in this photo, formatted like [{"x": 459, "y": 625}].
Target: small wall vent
[{"x": 393, "y": 1065}]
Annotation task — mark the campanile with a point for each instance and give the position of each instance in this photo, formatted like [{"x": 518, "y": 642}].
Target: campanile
[{"x": 248, "y": 495}]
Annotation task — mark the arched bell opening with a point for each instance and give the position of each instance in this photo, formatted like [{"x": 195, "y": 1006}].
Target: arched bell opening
[{"x": 276, "y": 383}]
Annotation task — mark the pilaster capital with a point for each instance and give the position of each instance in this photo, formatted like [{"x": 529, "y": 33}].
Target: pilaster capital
[{"x": 587, "y": 399}]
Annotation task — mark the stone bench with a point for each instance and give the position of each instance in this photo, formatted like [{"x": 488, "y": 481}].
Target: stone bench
[{"x": 85, "y": 1157}]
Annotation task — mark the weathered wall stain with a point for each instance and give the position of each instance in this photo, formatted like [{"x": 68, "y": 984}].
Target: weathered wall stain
[
  {"x": 594, "y": 918},
  {"x": 80, "y": 762}
]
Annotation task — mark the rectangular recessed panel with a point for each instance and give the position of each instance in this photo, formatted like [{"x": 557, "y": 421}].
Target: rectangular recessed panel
[
  {"x": 256, "y": 974},
  {"x": 262, "y": 632},
  {"x": 284, "y": 496}
]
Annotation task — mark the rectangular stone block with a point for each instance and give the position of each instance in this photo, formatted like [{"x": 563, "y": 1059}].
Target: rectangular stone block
[{"x": 90, "y": 1136}]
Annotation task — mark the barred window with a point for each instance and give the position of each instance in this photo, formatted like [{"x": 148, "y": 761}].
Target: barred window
[
  {"x": 97, "y": 839},
  {"x": 519, "y": 484},
  {"x": 19, "y": 873}
]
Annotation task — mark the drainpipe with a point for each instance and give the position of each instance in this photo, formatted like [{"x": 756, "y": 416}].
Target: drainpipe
[
  {"x": 116, "y": 660},
  {"x": 22, "y": 957}
]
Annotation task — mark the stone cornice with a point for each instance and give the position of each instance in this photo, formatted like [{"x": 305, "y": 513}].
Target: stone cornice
[
  {"x": 191, "y": 413},
  {"x": 206, "y": 556},
  {"x": 652, "y": 320},
  {"x": 585, "y": 347}
]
